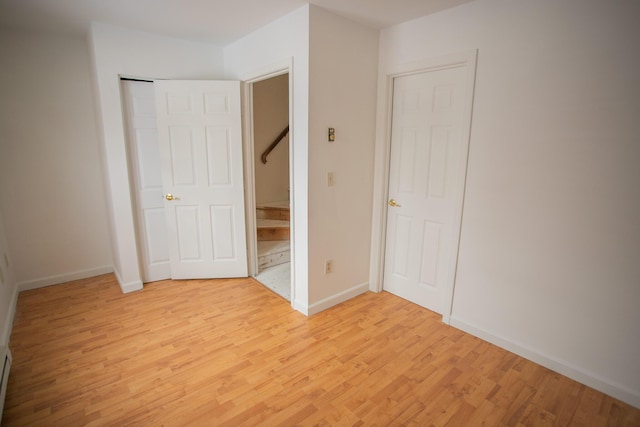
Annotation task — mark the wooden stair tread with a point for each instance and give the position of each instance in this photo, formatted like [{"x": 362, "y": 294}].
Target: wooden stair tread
[
  {"x": 268, "y": 247},
  {"x": 284, "y": 204},
  {"x": 272, "y": 223},
  {"x": 272, "y": 208},
  {"x": 272, "y": 213}
]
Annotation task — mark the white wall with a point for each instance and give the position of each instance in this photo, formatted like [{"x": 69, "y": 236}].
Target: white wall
[
  {"x": 548, "y": 263},
  {"x": 342, "y": 95},
  {"x": 285, "y": 43},
  {"x": 50, "y": 174},
  {"x": 270, "y": 117},
  {"x": 119, "y": 52},
  {"x": 334, "y": 84}
]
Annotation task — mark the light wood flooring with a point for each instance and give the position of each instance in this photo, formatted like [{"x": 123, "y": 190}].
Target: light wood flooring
[{"x": 232, "y": 353}]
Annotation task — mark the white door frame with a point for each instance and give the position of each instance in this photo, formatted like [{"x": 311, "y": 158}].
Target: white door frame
[
  {"x": 383, "y": 154},
  {"x": 274, "y": 70}
]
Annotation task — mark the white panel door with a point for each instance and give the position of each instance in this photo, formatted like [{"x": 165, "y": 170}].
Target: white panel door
[
  {"x": 199, "y": 130},
  {"x": 140, "y": 107},
  {"x": 426, "y": 181}
]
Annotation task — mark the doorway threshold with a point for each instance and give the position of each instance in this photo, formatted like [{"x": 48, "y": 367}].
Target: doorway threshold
[{"x": 278, "y": 279}]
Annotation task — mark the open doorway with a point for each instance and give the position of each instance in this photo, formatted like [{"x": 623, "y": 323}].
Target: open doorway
[{"x": 270, "y": 112}]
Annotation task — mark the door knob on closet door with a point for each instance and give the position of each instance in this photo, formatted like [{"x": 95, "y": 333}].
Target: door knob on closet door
[
  {"x": 394, "y": 204},
  {"x": 171, "y": 197}
]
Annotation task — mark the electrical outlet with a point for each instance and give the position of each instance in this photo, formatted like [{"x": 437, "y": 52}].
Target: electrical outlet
[
  {"x": 328, "y": 266},
  {"x": 330, "y": 180}
]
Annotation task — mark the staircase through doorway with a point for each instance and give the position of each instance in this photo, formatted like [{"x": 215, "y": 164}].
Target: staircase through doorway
[{"x": 274, "y": 249}]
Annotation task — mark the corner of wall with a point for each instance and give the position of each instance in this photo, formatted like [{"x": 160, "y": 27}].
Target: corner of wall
[
  {"x": 336, "y": 299},
  {"x": 132, "y": 286},
  {"x": 563, "y": 367},
  {"x": 302, "y": 308},
  {"x": 63, "y": 278},
  {"x": 342, "y": 98}
]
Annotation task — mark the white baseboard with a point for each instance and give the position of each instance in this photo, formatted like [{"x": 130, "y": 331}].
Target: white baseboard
[
  {"x": 302, "y": 308},
  {"x": 5, "y": 367},
  {"x": 8, "y": 321},
  {"x": 63, "y": 278},
  {"x": 632, "y": 397},
  {"x": 136, "y": 285},
  {"x": 336, "y": 299}
]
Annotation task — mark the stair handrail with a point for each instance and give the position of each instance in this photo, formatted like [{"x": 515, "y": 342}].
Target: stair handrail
[{"x": 273, "y": 144}]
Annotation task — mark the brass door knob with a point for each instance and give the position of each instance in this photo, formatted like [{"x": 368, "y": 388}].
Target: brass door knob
[
  {"x": 170, "y": 197},
  {"x": 394, "y": 204}
]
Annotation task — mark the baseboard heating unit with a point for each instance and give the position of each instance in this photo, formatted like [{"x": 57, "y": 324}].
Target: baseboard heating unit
[{"x": 5, "y": 357}]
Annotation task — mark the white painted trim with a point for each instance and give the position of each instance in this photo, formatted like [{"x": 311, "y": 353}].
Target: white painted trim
[
  {"x": 284, "y": 66},
  {"x": 63, "y": 278},
  {"x": 249, "y": 179},
  {"x": 467, "y": 59},
  {"x": 136, "y": 285},
  {"x": 558, "y": 365},
  {"x": 470, "y": 61},
  {"x": 336, "y": 299},
  {"x": 8, "y": 321},
  {"x": 302, "y": 308},
  {"x": 5, "y": 361},
  {"x": 381, "y": 183},
  {"x": 274, "y": 69}
]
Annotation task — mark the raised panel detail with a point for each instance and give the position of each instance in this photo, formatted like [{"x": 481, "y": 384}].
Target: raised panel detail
[
  {"x": 150, "y": 174},
  {"x": 179, "y": 103},
  {"x": 187, "y": 226},
  {"x": 218, "y": 156},
  {"x": 143, "y": 106},
  {"x": 216, "y": 103},
  {"x": 407, "y": 160},
  {"x": 443, "y": 98},
  {"x": 410, "y": 101},
  {"x": 157, "y": 244},
  {"x": 182, "y": 145},
  {"x": 222, "y": 226},
  {"x": 438, "y": 161},
  {"x": 430, "y": 250},
  {"x": 401, "y": 246}
]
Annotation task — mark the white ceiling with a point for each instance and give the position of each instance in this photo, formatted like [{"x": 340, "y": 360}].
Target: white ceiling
[{"x": 215, "y": 21}]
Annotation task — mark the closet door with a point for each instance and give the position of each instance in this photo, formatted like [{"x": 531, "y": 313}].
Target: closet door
[
  {"x": 199, "y": 132},
  {"x": 142, "y": 138}
]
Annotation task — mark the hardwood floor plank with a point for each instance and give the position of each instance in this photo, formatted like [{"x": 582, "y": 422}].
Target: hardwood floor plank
[{"x": 229, "y": 352}]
